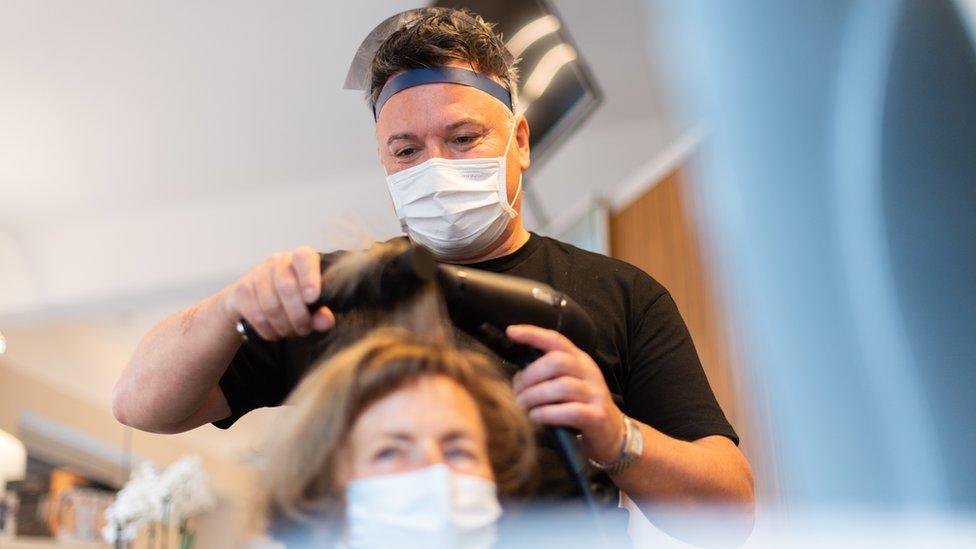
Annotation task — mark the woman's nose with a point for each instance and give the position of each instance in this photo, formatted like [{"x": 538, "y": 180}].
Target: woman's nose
[{"x": 432, "y": 454}]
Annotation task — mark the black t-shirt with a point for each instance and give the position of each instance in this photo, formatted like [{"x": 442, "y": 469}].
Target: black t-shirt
[{"x": 643, "y": 348}]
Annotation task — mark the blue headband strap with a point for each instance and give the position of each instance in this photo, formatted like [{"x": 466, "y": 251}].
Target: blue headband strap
[{"x": 433, "y": 75}]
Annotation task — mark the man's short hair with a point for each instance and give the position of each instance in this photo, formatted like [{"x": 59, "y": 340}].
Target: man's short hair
[{"x": 439, "y": 36}]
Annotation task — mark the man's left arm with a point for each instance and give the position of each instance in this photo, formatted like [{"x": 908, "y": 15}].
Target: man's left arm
[{"x": 674, "y": 482}]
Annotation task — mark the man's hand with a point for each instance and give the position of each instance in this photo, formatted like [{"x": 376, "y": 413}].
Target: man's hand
[
  {"x": 274, "y": 296},
  {"x": 566, "y": 387},
  {"x": 673, "y": 477}
]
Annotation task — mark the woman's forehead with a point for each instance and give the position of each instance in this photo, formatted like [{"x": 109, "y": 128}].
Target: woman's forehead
[{"x": 432, "y": 403}]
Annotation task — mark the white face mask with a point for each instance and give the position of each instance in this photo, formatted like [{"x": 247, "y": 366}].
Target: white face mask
[
  {"x": 454, "y": 208},
  {"x": 429, "y": 507}
]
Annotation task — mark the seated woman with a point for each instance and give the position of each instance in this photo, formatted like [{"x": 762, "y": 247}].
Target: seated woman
[{"x": 398, "y": 439}]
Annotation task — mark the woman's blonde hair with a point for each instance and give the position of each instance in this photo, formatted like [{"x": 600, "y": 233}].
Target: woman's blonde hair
[{"x": 408, "y": 342}]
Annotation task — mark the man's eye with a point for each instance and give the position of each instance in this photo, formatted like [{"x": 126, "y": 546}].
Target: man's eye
[
  {"x": 465, "y": 139},
  {"x": 403, "y": 153}
]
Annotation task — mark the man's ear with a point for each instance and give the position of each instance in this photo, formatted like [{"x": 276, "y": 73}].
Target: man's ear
[{"x": 522, "y": 139}]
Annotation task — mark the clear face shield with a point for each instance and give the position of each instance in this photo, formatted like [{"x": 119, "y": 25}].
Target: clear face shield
[{"x": 358, "y": 77}]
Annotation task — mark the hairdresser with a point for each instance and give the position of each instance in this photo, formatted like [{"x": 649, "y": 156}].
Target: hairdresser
[{"x": 441, "y": 86}]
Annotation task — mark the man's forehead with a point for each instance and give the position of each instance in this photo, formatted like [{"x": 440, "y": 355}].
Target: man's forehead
[{"x": 440, "y": 106}]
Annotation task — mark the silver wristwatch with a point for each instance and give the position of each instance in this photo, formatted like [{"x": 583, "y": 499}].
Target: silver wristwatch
[{"x": 631, "y": 453}]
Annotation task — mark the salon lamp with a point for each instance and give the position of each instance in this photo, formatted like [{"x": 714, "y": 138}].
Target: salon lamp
[{"x": 13, "y": 459}]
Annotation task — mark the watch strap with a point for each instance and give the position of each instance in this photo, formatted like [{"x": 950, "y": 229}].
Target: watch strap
[{"x": 632, "y": 451}]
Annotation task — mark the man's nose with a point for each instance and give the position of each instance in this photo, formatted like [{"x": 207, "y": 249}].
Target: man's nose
[{"x": 435, "y": 148}]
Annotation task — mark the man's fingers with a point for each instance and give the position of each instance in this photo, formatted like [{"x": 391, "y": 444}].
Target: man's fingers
[
  {"x": 274, "y": 296},
  {"x": 549, "y": 366},
  {"x": 540, "y": 338},
  {"x": 323, "y": 320},
  {"x": 289, "y": 294},
  {"x": 269, "y": 302},
  {"x": 566, "y": 414},
  {"x": 553, "y": 391},
  {"x": 306, "y": 263},
  {"x": 517, "y": 381},
  {"x": 247, "y": 306}
]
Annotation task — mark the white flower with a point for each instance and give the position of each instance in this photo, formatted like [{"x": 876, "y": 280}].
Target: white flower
[
  {"x": 182, "y": 491},
  {"x": 134, "y": 505},
  {"x": 110, "y": 532},
  {"x": 186, "y": 487}
]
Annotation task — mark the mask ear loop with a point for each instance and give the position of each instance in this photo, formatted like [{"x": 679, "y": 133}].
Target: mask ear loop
[{"x": 510, "y": 205}]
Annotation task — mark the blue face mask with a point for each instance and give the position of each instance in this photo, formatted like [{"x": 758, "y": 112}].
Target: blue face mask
[{"x": 429, "y": 507}]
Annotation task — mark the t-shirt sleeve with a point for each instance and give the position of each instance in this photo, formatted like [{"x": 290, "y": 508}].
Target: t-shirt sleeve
[
  {"x": 254, "y": 379},
  {"x": 666, "y": 386},
  {"x": 263, "y": 373}
]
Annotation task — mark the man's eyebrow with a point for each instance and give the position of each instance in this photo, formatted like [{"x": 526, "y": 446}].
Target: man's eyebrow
[
  {"x": 399, "y": 136},
  {"x": 448, "y": 128},
  {"x": 463, "y": 122}
]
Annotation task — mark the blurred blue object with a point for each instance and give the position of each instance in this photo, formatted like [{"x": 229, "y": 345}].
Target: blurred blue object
[{"x": 839, "y": 191}]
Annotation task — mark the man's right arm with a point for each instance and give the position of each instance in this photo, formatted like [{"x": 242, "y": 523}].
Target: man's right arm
[{"x": 172, "y": 381}]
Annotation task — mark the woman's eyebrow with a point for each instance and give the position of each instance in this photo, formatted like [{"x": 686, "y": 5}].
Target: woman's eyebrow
[
  {"x": 456, "y": 435},
  {"x": 398, "y": 435}
]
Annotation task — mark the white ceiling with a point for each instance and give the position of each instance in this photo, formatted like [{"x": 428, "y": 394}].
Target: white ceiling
[
  {"x": 151, "y": 151},
  {"x": 110, "y": 105}
]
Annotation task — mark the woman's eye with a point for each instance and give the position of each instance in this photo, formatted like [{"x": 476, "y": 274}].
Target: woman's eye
[
  {"x": 385, "y": 454},
  {"x": 459, "y": 454}
]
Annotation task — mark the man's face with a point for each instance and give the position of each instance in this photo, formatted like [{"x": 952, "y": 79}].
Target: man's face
[{"x": 450, "y": 121}]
